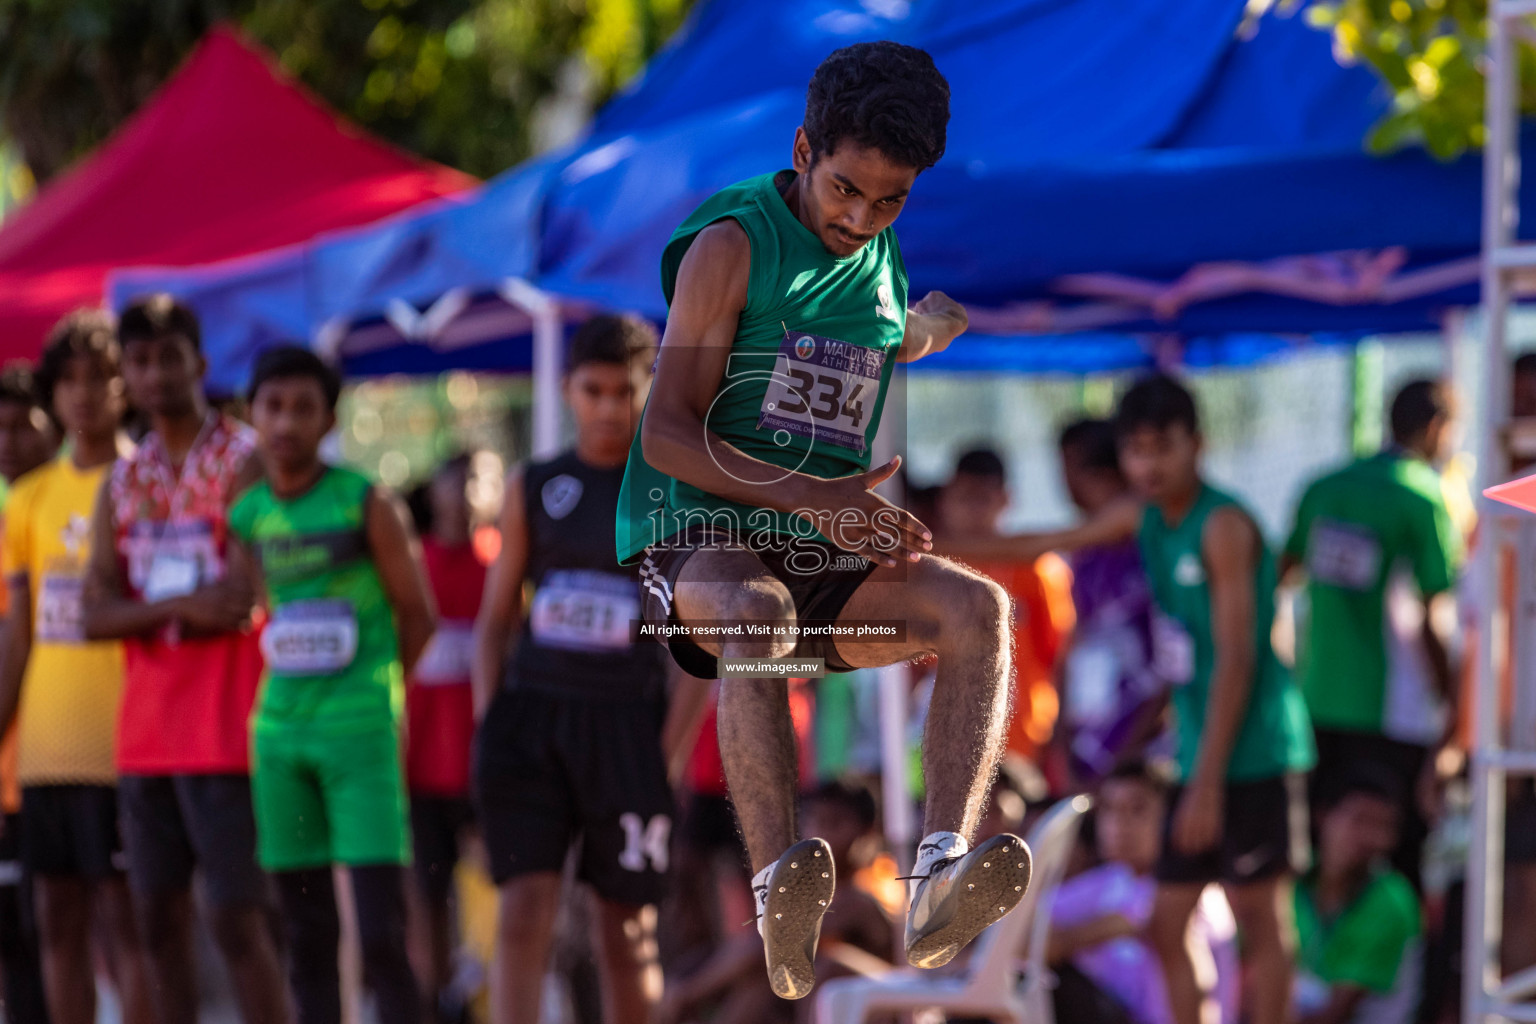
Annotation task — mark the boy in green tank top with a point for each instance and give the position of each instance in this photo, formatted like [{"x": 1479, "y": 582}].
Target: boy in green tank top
[
  {"x": 1239, "y": 815},
  {"x": 351, "y": 612},
  {"x": 750, "y": 498}
]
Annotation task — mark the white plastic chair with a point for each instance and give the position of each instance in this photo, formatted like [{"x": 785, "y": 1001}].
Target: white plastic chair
[{"x": 990, "y": 985}]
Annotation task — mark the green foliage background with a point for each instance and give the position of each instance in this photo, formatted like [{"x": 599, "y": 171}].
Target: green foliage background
[
  {"x": 1430, "y": 53},
  {"x": 459, "y": 81}
]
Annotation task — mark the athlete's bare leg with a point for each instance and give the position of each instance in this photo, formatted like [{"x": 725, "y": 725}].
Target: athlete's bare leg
[
  {"x": 963, "y": 618},
  {"x": 757, "y": 739},
  {"x": 64, "y": 931},
  {"x": 525, "y": 933},
  {"x": 624, "y": 938},
  {"x": 946, "y": 610}
]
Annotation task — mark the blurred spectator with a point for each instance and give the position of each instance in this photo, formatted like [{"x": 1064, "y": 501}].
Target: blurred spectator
[
  {"x": 27, "y": 440},
  {"x": 1357, "y": 918},
  {"x": 440, "y": 726},
  {"x": 1106, "y": 970},
  {"x": 857, "y": 934},
  {"x": 1244, "y": 741},
  {"x": 1112, "y": 698},
  {"x": 63, "y": 689},
  {"x": 969, "y": 506},
  {"x": 1380, "y": 555}
]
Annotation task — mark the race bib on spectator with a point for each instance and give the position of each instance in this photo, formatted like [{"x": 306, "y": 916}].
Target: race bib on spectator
[
  {"x": 584, "y": 610},
  {"x": 822, "y": 388},
  {"x": 1343, "y": 555},
  {"x": 1093, "y": 677},
  {"x": 310, "y": 638},
  {"x": 446, "y": 659},
  {"x": 59, "y": 616},
  {"x": 1173, "y": 649},
  {"x": 170, "y": 576}
]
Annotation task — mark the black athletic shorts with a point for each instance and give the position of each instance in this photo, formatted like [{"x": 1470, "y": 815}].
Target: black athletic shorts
[
  {"x": 1264, "y": 835},
  {"x": 437, "y": 822},
  {"x": 818, "y": 596},
  {"x": 175, "y": 823},
  {"x": 553, "y": 770},
  {"x": 71, "y": 832}
]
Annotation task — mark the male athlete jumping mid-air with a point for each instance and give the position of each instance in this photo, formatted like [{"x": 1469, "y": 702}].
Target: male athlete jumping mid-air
[{"x": 750, "y": 482}]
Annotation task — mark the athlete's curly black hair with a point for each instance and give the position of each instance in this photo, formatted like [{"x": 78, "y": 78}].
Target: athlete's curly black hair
[{"x": 882, "y": 95}]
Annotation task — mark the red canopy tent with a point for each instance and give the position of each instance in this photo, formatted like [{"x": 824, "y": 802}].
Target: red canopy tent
[{"x": 229, "y": 157}]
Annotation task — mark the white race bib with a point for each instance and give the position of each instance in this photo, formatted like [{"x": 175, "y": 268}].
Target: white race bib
[
  {"x": 446, "y": 659},
  {"x": 1343, "y": 555},
  {"x": 310, "y": 638},
  {"x": 585, "y": 610},
  {"x": 1173, "y": 649},
  {"x": 59, "y": 616},
  {"x": 823, "y": 388},
  {"x": 171, "y": 576},
  {"x": 1092, "y": 674}
]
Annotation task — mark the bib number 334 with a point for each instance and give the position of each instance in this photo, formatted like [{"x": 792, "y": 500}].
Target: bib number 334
[{"x": 822, "y": 388}]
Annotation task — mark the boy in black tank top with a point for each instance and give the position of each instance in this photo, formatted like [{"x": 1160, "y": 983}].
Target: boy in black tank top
[{"x": 575, "y": 738}]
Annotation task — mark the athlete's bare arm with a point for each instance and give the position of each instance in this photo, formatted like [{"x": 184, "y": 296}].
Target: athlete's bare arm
[
  {"x": 17, "y": 648},
  {"x": 501, "y": 606},
  {"x": 1116, "y": 522},
  {"x": 1229, "y": 547},
  {"x": 108, "y": 613},
  {"x": 932, "y": 323},
  {"x": 397, "y": 556},
  {"x": 707, "y": 303}
]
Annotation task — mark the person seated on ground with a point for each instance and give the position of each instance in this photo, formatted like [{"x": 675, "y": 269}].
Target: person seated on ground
[
  {"x": 857, "y": 935},
  {"x": 1357, "y": 917},
  {"x": 1106, "y": 969},
  {"x": 971, "y": 505}
]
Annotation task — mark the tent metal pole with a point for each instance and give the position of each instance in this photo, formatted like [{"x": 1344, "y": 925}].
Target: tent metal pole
[
  {"x": 895, "y": 690},
  {"x": 1485, "y": 859},
  {"x": 547, "y": 335},
  {"x": 895, "y": 796}
]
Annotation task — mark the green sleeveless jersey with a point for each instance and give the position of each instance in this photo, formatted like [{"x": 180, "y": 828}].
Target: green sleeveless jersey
[
  {"x": 330, "y": 645},
  {"x": 806, "y": 378},
  {"x": 1275, "y": 736}
]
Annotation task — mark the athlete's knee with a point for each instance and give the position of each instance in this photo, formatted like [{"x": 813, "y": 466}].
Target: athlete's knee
[
  {"x": 627, "y": 933},
  {"x": 239, "y": 931},
  {"x": 63, "y": 914},
  {"x": 165, "y": 925},
  {"x": 758, "y": 599},
  {"x": 525, "y": 913},
  {"x": 972, "y": 607},
  {"x": 1168, "y": 928},
  {"x": 1261, "y": 916}
]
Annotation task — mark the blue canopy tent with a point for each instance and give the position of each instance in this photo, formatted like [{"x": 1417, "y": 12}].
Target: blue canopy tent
[{"x": 1089, "y": 138}]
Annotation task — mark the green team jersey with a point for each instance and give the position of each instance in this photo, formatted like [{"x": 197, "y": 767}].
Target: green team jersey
[
  {"x": 1374, "y": 943},
  {"x": 805, "y": 382},
  {"x": 1275, "y": 736},
  {"x": 332, "y": 654},
  {"x": 1376, "y": 539}
]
